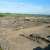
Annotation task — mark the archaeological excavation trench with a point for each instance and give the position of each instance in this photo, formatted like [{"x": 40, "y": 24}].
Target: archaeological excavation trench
[{"x": 15, "y": 34}]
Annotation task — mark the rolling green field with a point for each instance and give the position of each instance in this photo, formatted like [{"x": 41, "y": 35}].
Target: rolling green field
[{"x": 16, "y": 14}]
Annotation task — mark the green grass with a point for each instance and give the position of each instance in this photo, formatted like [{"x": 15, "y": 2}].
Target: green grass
[
  {"x": 22, "y": 15},
  {"x": 0, "y": 48}
]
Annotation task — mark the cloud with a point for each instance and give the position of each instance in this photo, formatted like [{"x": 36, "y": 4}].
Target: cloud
[
  {"x": 22, "y": 7},
  {"x": 6, "y": 6},
  {"x": 29, "y": 8}
]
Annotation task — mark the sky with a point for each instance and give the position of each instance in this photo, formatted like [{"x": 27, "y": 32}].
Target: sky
[{"x": 25, "y": 6}]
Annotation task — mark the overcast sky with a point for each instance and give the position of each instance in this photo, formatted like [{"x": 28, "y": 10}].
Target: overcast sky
[{"x": 25, "y": 6}]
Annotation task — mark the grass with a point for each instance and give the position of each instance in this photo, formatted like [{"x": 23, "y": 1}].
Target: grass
[
  {"x": 0, "y": 48},
  {"x": 16, "y": 14}
]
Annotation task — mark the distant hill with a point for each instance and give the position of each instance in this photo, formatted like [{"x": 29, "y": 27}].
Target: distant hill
[{"x": 15, "y": 14}]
